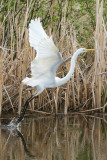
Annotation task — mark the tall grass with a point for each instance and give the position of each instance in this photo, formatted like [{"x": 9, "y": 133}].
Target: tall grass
[
  {"x": 100, "y": 61},
  {"x": 87, "y": 88},
  {"x": 1, "y": 83}
]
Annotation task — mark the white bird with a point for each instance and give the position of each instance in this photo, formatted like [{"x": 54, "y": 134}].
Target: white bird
[{"x": 47, "y": 61}]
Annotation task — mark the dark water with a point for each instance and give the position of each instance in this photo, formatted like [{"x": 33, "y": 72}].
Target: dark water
[{"x": 49, "y": 138}]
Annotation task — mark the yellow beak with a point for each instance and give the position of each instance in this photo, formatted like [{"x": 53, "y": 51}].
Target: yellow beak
[{"x": 90, "y": 49}]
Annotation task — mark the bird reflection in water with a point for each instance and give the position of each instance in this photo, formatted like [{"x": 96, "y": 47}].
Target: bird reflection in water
[{"x": 16, "y": 132}]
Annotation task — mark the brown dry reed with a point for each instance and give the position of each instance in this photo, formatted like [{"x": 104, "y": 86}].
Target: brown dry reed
[{"x": 87, "y": 88}]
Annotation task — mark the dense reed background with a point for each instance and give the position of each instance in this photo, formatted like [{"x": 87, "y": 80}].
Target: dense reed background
[{"x": 73, "y": 24}]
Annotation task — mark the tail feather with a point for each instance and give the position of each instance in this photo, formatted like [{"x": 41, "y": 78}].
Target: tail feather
[
  {"x": 30, "y": 82},
  {"x": 25, "y": 80},
  {"x": 33, "y": 83}
]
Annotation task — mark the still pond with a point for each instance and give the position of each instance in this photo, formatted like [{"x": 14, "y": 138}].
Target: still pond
[{"x": 78, "y": 137}]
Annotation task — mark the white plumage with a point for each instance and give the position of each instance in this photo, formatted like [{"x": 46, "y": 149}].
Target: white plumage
[{"x": 47, "y": 61}]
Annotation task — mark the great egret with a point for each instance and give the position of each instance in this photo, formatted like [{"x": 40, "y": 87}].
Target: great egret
[{"x": 46, "y": 63}]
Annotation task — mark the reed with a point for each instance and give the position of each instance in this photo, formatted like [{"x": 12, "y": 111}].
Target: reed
[
  {"x": 1, "y": 82},
  {"x": 87, "y": 88},
  {"x": 100, "y": 56}
]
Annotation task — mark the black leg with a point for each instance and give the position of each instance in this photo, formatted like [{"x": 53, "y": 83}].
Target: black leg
[{"x": 19, "y": 119}]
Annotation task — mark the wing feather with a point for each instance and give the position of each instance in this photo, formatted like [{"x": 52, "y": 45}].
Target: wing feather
[
  {"x": 48, "y": 58},
  {"x": 36, "y": 33}
]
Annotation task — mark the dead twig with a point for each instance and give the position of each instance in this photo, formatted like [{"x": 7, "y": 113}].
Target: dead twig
[{"x": 95, "y": 109}]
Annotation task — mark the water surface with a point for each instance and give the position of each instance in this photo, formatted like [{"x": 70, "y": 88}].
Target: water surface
[{"x": 61, "y": 138}]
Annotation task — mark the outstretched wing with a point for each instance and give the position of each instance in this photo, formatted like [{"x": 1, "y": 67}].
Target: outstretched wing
[
  {"x": 48, "y": 58},
  {"x": 36, "y": 33}
]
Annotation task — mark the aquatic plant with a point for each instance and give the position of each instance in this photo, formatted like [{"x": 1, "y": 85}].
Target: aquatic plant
[{"x": 87, "y": 89}]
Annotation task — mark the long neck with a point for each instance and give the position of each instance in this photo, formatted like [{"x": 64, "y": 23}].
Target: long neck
[{"x": 71, "y": 71}]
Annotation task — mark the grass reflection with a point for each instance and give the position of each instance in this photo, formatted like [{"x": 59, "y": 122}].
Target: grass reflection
[{"x": 64, "y": 138}]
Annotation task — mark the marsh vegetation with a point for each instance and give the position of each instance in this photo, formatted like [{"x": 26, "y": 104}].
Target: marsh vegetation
[{"x": 73, "y": 24}]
